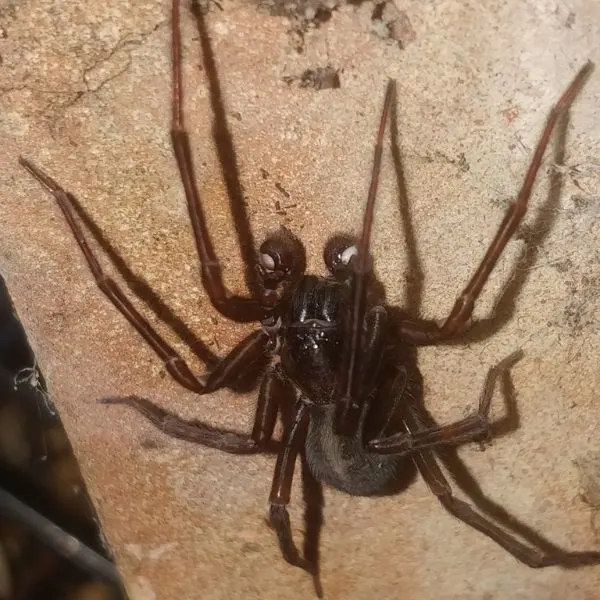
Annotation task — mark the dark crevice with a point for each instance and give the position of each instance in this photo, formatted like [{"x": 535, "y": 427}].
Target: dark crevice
[{"x": 44, "y": 504}]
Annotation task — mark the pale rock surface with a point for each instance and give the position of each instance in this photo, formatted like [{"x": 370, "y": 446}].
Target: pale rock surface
[{"x": 85, "y": 92}]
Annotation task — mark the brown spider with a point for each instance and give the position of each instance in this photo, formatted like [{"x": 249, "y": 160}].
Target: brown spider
[{"x": 346, "y": 386}]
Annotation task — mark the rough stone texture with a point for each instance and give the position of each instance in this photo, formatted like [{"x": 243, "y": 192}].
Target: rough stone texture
[{"x": 85, "y": 92}]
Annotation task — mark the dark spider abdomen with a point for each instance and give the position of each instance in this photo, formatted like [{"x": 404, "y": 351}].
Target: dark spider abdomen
[{"x": 344, "y": 462}]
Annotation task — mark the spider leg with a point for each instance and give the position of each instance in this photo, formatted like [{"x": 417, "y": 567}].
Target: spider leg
[
  {"x": 376, "y": 322},
  {"x": 466, "y": 430},
  {"x": 422, "y": 331},
  {"x": 348, "y": 407},
  {"x": 372, "y": 348},
  {"x": 293, "y": 442},
  {"x": 427, "y": 464},
  {"x": 313, "y": 522},
  {"x": 272, "y": 391},
  {"x": 397, "y": 394},
  {"x": 138, "y": 286},
  {"x": 225, "y": 148},
  {"x": 236, "y": 308},
  {"x": 227, "y": 370}
]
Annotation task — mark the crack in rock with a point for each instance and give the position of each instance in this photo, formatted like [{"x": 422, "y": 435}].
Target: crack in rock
[{"x": 94, "y": 78}]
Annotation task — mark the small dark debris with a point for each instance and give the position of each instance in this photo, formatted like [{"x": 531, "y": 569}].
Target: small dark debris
[
  {"x": 590, "y": 283},
  {"x": 321, "y": 78},
  {"x": 307, "y": 12},
  {"x": 377, "y": 13},
  {"x": 250, "y": 548},
  {"x": 296, "y": 35},
  {"x": 236, "y": 115},
  {"x": 281, "y": 189},
  {"x": 502, "y": 203},
  {"x": 149, "y": 444},
  {"x": 282, "y": 209},
  {"x": 462, "y": 163},
  {"x": 264, "y": 173},
  {"x": 581, "y": 202},
  {"x": 214, "y": 343},
  {"x": 570, "y": 20},
  {"x": 388, "y": 22},
  {"x": 572, "y": 316},
  {"x": 321, "y": 15},
  {"x": 563, "y": 266}
]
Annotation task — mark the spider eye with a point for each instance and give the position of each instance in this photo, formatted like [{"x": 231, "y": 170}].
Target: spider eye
[
  {"x": 281, "y": 257},
  {"x": 267, "y": 261},
  {"x": 338, "y": 253},
  {"x": 347, "y": 254}
]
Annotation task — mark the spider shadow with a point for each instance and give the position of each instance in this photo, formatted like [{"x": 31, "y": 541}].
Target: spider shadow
[
  {"x": 504, "y": 311},
  {"x": 226, "y": 153}
]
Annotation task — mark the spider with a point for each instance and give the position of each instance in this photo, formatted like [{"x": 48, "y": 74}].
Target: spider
[{"x": 341, "y": 375}]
